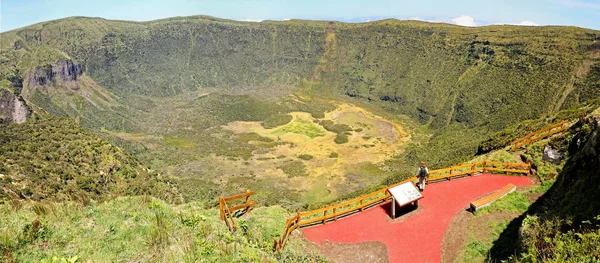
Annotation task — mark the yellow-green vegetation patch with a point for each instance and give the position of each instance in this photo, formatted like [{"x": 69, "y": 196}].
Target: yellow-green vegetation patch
[
  {"x": 5, "y": 84},
  {"x": 319, "y": 193},
  {"x": 180, "y": 142},
  {"x": 294, "y": 169},
  {"x": 515, "y": 202},
  {"x": 302, "y": 127}
]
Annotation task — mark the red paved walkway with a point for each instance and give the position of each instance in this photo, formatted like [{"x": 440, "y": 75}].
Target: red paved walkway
[{"x": 419, "y": 237}]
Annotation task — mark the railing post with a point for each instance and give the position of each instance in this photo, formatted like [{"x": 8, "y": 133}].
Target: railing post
[
  {"x": 325, "y": 216},
  {"x": 362, "y": 203},
  {"x": 484, "y": 164},
  {"x": 507, "y": 168},
  {"x": 221, "y": 212},
  {"x": 334, "y": 215},
  {"x": 277, "y": 245},
  {"x": 473, "y": 169},
  {"x": 450, "y": 177},
  {"x": 247, "y": 200}
]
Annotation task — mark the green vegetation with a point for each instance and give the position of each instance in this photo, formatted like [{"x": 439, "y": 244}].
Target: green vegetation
[
  {"x": 303, "y": 128},
  {"x": 294, "y": 169},
  {"x": 477, "y": 249},
  {"x": 335, "y": 127},
  {"x": 515, "y": 202},
  {"x": 276, "y": 121},
  {"x": 305, "y": 157},
  {"x": 140, "y": 228},
  {"x": 565, "y": 226},
  {"x": 333, "y": 155},
  {"x": 53, "y": 158},
  {"x": 341, "y": 138}
]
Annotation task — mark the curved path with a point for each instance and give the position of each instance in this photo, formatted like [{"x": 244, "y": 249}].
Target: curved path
[{"x": 417, "y": 238}]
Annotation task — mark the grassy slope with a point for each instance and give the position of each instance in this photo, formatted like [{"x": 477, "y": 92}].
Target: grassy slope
[
  {"x": 129, "y": 229},
  {"x": 53, "y": 158},
  {"x": 67, "y": 193}
]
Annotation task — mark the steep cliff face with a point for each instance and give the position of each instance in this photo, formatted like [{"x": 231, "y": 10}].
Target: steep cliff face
[
  {"x": 577, "y": 190},
  {"x": 12, "y": 108},
  {"x": 63, "y": 89},
  {"x": 64, "y": 70}
]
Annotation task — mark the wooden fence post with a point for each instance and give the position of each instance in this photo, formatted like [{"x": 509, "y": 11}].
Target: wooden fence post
[
  {"x": 450, "y": 177},
  {"x": 247, "y": 201},
  {"x": 484, "y": 164},
  {"x": 334, "y": 216},
  {"x": 325, "y": 216},
  {"x": 472, "y": 169},
  {"x": 507, "y": 168},
  {"x": 362, "y": 203},
  {"x": 221, "y": 213}
]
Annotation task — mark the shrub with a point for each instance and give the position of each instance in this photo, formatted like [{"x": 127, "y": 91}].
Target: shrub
[
  {"x": 333, "y": 127},
  {"x": 294, "y": 169},
  {"x": 305, "y": 157},
  {"x": 341, "y": 138}
]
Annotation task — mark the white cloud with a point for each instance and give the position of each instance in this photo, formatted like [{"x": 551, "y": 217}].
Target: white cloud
[
  {"x": 252, "y": 20},
  {"x": 522, "y": 23},
  {"x": 464, "y": 21},
  {"x": 581, "y": 4},
  {"x": 527, "y": 23}
]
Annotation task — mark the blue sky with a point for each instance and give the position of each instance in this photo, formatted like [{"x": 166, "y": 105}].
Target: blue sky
[{"x": 583, "y": 13}]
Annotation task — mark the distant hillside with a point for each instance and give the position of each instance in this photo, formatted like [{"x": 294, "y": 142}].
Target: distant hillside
[
  {"x": 55, "y": 159},
  {"x": 437, "y": 73}
]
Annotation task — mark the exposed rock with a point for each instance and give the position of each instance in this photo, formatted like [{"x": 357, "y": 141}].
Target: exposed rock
[
  {"x": 64, "y": 70},
  {"x": 552, "y": 155},
  {"x": 12, "y": 108}
]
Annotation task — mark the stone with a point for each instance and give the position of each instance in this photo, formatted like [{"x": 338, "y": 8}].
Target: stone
[{"x": 552, "y": 155}]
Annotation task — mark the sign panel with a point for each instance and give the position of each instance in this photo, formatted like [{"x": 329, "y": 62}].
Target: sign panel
[{"x": 405, "y": 193}]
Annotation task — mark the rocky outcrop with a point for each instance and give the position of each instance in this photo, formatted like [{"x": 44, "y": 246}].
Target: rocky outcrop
[
  {"x": 64, "y": 70},
  {"x": 12, "y": 108},
  {"x": 552, "y": 155}
]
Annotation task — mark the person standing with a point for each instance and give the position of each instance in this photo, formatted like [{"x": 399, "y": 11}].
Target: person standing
[{"x": 422, "y": 173}]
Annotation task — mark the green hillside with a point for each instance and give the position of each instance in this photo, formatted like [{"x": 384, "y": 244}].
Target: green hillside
[
  {"x": 440, "y": 74},
  {"x": 169, "y": 90},
  {"x": 53, "y": 159}
]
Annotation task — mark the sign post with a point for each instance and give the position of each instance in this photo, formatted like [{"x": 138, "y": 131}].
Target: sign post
[{"x": 404, "y": 194}]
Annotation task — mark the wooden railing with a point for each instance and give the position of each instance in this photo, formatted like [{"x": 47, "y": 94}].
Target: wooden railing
[
  {"x": 538, "y": 135},
  {"x": 226, "y": 213},
  {"x": 359, "y": 204}
]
